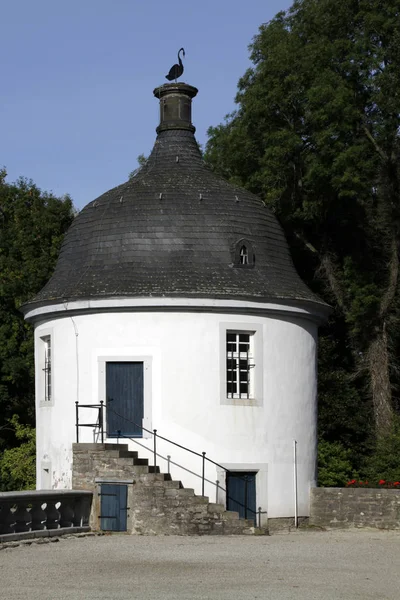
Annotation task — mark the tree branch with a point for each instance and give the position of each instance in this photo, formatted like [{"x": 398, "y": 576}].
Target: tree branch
[
  {"x": 373, "y": 141},
  {"x": 390, "y": 292},
  {"x": 306, "y": 243},
  {"x": 328, "y": 266}
]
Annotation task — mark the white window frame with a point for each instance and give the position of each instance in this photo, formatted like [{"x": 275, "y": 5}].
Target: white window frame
[
  {"x": 240, "y": 364},
  {"x": 255, "y": 357},
  {"x": 45, "y": 367}
]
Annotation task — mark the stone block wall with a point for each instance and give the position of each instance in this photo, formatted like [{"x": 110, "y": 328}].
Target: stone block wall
[
  {"x": 157, "y": 504},
  {"x": 355, "y": 507}
]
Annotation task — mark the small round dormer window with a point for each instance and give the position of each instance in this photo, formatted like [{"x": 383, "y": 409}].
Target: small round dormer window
[{"x": 244, "y": 254}]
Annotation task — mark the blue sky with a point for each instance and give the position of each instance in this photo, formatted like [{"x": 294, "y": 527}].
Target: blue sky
[{"x": 76, "y": 103}]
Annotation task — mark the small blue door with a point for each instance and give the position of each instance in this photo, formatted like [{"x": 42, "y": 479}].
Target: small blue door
[
  {"x": 124, "y": 394},
  {"x": 237, "y": 482},
  {"x": 113, "y": 507}
]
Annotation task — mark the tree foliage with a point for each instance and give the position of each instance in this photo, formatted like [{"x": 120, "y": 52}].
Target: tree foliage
[
  {"x": 335, "y": 467},
  {"x": 316, "y": 135},
  {"x": 18, "y": 464},
  {"x": 384, "y": 463},
  {"x": 141, "y": 159},
  {"x": 32, "y": 225}
]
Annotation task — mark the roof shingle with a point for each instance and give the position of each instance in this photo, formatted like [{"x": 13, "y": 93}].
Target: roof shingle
[{"x": 171, "y": 231}]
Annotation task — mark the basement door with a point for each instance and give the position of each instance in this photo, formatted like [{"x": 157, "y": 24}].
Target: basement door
[
  {"x": 113, "y": 507},
  {"x": 240, "y": 484},
  {"x": 124, "y": 399}
]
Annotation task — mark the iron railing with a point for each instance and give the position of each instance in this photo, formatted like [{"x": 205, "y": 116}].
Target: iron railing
[
  {"x": 98, "y": 426},
  {"x": 157, "y": 436}
]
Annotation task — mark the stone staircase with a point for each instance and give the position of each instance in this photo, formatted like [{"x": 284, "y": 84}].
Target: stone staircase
[{"x": 157, "y": 504}]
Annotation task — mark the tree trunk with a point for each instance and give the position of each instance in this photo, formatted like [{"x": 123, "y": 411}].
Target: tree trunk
[
  {"x": 378, "y": 367},
  {"x": 378, "y": 352}
]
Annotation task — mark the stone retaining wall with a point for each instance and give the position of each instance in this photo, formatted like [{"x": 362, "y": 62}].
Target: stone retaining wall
[{"x": 355, "y": 507}]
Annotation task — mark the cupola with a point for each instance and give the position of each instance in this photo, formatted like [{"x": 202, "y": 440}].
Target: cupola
[{"x": 175, "y": 230}]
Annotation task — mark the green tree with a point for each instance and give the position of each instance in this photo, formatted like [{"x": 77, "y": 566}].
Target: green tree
[
  {"x": 32, "y": 225},
  {"x": 141, "y": 159},
  {"x": 335, "y": 467},
  {"x": 316, "y": 135},
  {"x": 385, "y": 461},
  {"x": 18, "y": 464}
]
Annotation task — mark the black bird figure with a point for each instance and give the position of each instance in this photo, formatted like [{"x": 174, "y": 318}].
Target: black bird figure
[{"x": 177, "y": 70}]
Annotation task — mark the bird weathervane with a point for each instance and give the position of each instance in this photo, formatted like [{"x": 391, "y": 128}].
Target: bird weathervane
[{"x": 177, "y": 70}]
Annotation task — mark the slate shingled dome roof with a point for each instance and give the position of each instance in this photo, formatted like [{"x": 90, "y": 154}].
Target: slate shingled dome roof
[{"x": 173, "y": 230}]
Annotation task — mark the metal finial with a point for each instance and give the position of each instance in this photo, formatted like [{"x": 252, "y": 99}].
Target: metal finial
[{"x": 177, "y": 70}]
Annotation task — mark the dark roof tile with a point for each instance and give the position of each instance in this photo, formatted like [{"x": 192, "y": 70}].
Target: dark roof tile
[{"x": 131, "y": 242}]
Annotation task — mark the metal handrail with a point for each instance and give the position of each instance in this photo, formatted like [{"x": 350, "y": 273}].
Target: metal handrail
[
  {"x": 202, "y": 456},
  {"x": 155, "y": 435},
  {"x": 99, "y": 423},
  {"x": 257, "y": 513}
]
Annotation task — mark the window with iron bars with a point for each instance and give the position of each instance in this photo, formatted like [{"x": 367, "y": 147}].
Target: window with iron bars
[
  {"x": 47, "y": 368},
  {"x": 239, "y": 364}
]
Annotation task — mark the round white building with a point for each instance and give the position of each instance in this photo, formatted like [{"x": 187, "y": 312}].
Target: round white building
[{"x": 175, "y": 302}]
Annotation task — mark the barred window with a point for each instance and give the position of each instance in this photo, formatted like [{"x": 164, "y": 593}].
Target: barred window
[
  {"x": 239, "y": 364},
  {"x": 47, "y": 368}
]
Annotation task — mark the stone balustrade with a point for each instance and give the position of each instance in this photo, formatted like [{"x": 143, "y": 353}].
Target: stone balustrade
[{"x": 42, "y": 510}]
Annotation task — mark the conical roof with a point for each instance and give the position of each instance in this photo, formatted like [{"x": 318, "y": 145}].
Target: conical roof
[{"x": 176, "y": 229}]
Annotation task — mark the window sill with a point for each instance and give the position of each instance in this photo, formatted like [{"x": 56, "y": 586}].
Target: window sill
[
  {"x": 241, "y": 401},
  {"x": 46, "y": 403}
]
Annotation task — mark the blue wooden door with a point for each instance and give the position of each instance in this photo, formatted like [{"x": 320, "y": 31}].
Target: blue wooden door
[
  {"x": 124, "y": 399},
  {"x": 113, "y": 507},
  {"x": 236, "y": 484}
]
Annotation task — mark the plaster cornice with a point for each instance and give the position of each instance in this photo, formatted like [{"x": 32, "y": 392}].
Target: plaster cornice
[{"x": 58, "y": 310}]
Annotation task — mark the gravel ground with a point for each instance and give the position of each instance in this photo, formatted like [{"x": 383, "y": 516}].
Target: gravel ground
[{"x": 302, "y": 566}]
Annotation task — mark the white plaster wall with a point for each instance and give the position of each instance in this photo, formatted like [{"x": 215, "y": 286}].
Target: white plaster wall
[{"x": 186, "y": 400}]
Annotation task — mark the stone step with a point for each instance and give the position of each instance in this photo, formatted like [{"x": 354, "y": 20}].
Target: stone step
[
  {"x": 240, "y": 524},
  {"x": 164, "y": 477},
  {"x": 141, "y": 461},
  {"x": 158, "y": 476},
  {"x": 202, "y": 499},
  {"x": 108, "y": 446},
  {"x": 231, "y": 515},
  {"x": 152, "y": 469},
  {"x": 192, "y": 503},
  {"x": 122, "y": 470},
  {"x": 175, "y": 485},
  {"x": 161, "y": 504},
  {"x": 248, "y": 522},
  {"x": 128, "y": 454},
  {"x": 98, "y": 448},
  {"x": 128, "y": 461},
  {"x": 216, "y": 508},
  {"x": 232, "y": 528},
  {"x": 185, "y": 491},
  {"x": 83, "y": 447},
  {"x": 106, "y": 454}
]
